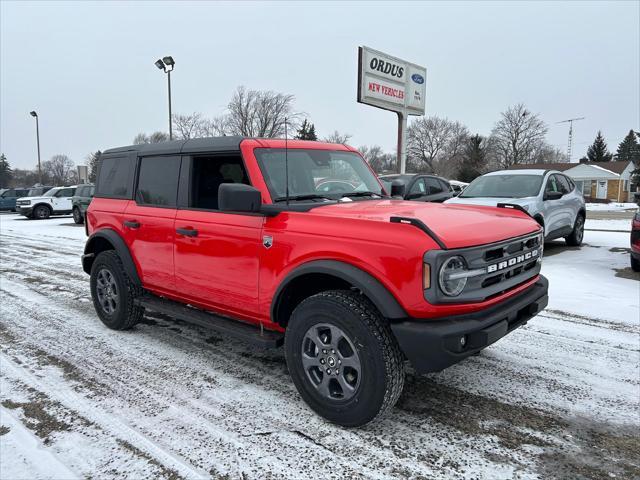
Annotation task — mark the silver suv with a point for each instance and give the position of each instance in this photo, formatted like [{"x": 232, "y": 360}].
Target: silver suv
[{"x": 547, "y": 195}]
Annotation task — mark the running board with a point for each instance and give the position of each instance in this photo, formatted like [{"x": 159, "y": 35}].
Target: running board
[{"x": 225, "y": 326}]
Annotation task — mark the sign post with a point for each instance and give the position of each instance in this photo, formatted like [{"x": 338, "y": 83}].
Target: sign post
[{"x": 392, "y": 84}]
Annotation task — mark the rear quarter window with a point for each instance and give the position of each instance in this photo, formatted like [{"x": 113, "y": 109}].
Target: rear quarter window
[{"x": 115, "y": 177}]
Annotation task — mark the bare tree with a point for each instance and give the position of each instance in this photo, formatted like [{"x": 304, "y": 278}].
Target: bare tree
[
  {"x": 337, "y": 137},
  {"x": 256, "y": 113},
  {"x": 155, "y": 137},
  {"x": 379, "y": 160},
  {"x": 516, "y": 136},
  {"x": 434, "y": 140},
  {"x": 546, "y": 153},
  {"x": 60, "y": 169},
  {"x": 215, "y": 127},
  {"x": 188, "y": 126}
]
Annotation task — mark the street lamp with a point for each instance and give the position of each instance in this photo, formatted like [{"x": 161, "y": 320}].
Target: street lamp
[
  {"x": 167, "y": 64},
  {"x": 35, "y": 115}
]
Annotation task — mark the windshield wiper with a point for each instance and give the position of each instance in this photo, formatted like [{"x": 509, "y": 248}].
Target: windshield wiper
[
  {"x": 311, "y": 196},
  {"x": 361, "y": 194}
]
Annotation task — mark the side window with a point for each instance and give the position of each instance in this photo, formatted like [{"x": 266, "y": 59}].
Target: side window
[
  {"x": 65, "y": 192},
  {"x": 445, "y": 186},
  {"x": 91, "y": 191},
  {"x": 433, "y": 186},
  {"x": 158, "y": 181},
  {"x": 208, "y": 173},
  {"x": 115, "y": 177},
  {"x": 564, "y": 183},
  {"x": 552, "y": 185},
  {"x": 80, "y": 191},
  {"x": 418, "y": 187}
]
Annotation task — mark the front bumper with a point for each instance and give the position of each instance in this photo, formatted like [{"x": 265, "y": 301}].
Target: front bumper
[
  {"x": 433, "y": 345},
  {"x": 25, "y": 210}
]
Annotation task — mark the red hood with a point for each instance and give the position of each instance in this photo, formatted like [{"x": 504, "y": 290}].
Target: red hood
[{"x": 457, "y": 226}]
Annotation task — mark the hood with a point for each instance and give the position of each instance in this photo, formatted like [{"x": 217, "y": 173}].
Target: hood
[{"x": 457, "y": 226}]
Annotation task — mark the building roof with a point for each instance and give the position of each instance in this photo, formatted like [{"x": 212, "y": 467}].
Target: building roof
[{"x": 615, "y": 167}]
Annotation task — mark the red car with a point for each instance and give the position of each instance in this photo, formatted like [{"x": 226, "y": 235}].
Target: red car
[
  {"x": 232, "y": 233},
  {"x": 635, "y": 242}
]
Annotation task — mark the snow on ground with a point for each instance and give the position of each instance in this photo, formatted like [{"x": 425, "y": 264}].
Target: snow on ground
[
  {"x": 611, "y": 207},
  {"x": 614, "y": 224},
  {"x": 558, "y": 398}
]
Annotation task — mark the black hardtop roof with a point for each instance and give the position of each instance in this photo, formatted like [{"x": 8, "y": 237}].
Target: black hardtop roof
[{"x": 194, "y": 145}]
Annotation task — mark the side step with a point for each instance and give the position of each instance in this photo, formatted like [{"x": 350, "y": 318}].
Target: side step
[{"x": 225, "y": 326}]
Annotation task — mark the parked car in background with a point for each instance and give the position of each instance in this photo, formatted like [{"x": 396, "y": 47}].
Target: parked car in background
[
  {"x": 8, "y": 197},
  {"x": 422, "y": 188},
  {"x": 548, "y": 196},
  {"x": 635, "y": 242},
  {"x": 56, "y": 201},
  {"x": 80, "y": 201},
  {"x": 457, "y": 187},
  {"x": 38, "y": 191}
]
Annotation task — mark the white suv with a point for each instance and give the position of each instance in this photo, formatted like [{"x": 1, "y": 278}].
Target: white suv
[
  {"x": 56, "y": 201},
  {"x": 548, "y": 196}
]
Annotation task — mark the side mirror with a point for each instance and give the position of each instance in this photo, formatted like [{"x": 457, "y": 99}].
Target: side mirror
[
  {"x": 397, "y": 188},
  {"x": 553, "y": 195},
  {"x": 238, "y": 197}
]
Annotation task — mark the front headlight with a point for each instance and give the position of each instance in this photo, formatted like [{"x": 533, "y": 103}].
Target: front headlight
[{"x": 453, "y": 276}]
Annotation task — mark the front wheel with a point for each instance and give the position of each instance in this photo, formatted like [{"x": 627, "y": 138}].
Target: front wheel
[
  {"x": 41, "y": 212},
  {"x": 77, "y": 216},
  {"x": 575, "y": 239},
  {"x": 343, "y": 358}
]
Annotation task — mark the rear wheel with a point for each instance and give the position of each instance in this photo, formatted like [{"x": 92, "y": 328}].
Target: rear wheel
[
  {"x": 114, "y": 293},
  {"x": 77, "y": 216},
  {"x": 575, "y": 239},
  {"x": 343, "y": 358},
  {"x": 635, "y": 264},
  {"x": 41, "y": 212}
]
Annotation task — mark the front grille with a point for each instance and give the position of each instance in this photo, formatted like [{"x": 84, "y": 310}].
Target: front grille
[{"x": 492, "y": 269}]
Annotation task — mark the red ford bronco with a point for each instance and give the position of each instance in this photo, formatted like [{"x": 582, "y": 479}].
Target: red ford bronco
[{"x": 298, "y": 244}]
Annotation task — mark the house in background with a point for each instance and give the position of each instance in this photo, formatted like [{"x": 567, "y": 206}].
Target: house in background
[{"x": 598, "y": 181}]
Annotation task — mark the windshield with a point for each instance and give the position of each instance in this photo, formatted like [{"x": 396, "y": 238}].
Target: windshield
[
  {"x": 503, "y": 186},
  {"x": 3, "y": 191},
  {"x": 317, "y": 174}
]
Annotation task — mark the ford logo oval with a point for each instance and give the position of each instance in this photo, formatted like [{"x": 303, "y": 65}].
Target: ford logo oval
[{"x": 416, "y": 77}]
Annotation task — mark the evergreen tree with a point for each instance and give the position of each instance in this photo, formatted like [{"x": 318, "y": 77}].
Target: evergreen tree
[
  {"x": 92, "y": 162},
  {"x": 307, "y": 131},
  {"x": 629, "y": 149},
  {"x": 474, "y": 159},
  {"x": 598, "y": 151},
  {"x": 6, "y": 174}
]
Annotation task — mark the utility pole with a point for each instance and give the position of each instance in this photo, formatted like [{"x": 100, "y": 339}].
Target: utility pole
[
  {"x": 167, "y": 64},
  {"x": 570, "y": 142}
]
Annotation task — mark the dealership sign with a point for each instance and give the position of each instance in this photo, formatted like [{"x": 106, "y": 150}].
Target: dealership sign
[{"x": 390, "y": 83}]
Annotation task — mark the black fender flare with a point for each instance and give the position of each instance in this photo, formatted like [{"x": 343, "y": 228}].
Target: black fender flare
[
  {"x": 375, "y": 291},
  {"x": 118, "y": 244},
  {"x": 36, "y": 205}
]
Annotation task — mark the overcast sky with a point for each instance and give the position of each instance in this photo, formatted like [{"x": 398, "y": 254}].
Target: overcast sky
[{"x": 88, "y": 68}]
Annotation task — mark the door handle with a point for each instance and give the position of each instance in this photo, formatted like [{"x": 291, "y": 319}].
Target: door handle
[
  {"x": 188, "y": 232},
  {"x": 131, "y": 224}
]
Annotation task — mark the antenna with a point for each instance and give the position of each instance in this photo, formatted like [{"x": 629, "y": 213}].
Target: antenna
[
  {"x": 286, "y": 164},
  {"x": 570, "y": 143}
]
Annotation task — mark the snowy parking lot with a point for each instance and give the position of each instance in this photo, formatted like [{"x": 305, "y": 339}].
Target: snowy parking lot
[{"x": 558, "y": 398}]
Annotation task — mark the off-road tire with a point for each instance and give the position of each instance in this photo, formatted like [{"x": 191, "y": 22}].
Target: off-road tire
[
  {"x": 77, "y": 216},
  {"x": 41, "y": 212},
  {"x": 127, "y": 313},
  {"x": 575, "y": 239},
  {"x": 635, "y": 264},
  {"x": 381, "y": 359}
]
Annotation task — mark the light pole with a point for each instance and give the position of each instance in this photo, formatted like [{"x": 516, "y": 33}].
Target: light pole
[
  {"x": 167, "y": 64},
  {"x": 35, "y": 115}
]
